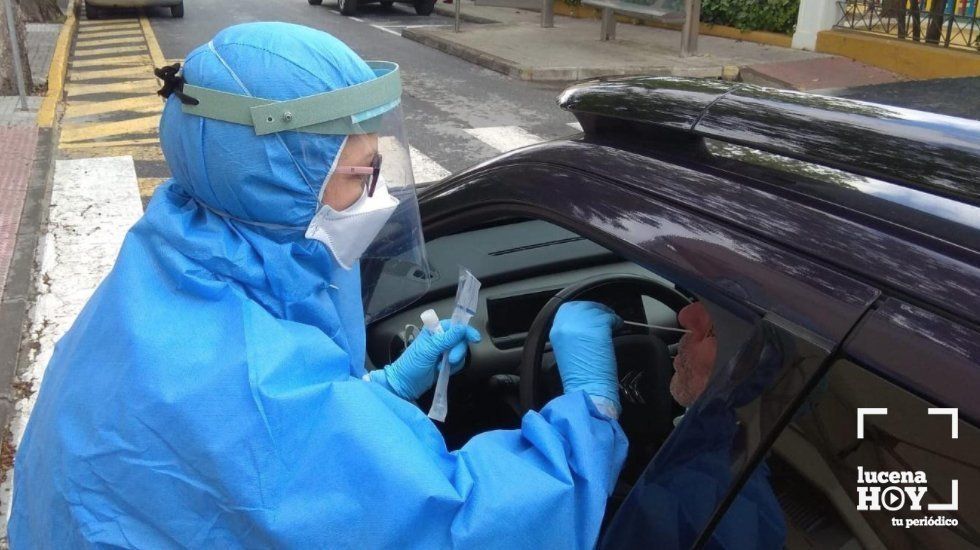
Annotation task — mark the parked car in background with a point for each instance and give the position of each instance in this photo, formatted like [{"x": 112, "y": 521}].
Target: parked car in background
[
  {"x": 841, "y": 239},
  {"x": 95, "y": 9},
  {"x": 349, "y": 7}
]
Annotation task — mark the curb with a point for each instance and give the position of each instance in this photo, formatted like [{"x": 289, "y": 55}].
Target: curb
[
  {"x": 58, "y": 69},
  {"x": 19, "y": 291},
  {"x": 466, "y": 53},
  {"x": 556, "y": 74},
  {"x": 751, "y": 76}
]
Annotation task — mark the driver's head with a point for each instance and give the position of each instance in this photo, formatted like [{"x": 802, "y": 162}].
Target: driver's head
[
  {"x": 716, "y": 336},
  {"x": 696, "y": 354}
]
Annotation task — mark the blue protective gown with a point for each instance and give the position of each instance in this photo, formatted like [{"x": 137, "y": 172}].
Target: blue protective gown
[{"x": 209, "y": 394}]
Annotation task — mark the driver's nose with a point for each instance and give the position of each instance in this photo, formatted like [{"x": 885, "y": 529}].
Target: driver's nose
[{"x": 695, "y": 318}]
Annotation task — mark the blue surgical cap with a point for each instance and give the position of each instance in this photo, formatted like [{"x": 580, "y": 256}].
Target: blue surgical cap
[{"x": 270, "y": 179}]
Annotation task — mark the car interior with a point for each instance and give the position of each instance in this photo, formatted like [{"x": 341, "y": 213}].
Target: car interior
[{"x": 528, "y": 267}]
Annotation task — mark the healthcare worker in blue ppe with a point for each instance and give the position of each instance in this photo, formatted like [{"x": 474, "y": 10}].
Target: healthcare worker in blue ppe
[{"x": 213, "y": 392}]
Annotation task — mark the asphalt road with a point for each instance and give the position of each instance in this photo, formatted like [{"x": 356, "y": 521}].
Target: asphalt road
[
  {"x": 949, "y": 96},
  {"x": 444, "y": 96}
]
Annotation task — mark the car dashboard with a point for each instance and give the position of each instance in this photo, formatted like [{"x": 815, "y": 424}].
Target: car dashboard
[{"x": 521, "y": 266}]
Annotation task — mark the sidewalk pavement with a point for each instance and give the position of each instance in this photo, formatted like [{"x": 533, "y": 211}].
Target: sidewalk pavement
[
  {"x": 18, "y": 142},
  {"x": 512, "y": 41},
  {"x": 41, "y": 39}
]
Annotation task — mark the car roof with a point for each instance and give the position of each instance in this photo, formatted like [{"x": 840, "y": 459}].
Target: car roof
[{"x": 937, "y": 153}]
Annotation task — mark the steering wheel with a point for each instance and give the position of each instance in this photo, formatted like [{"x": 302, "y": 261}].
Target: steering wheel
[{"x": 531, "y": 387}]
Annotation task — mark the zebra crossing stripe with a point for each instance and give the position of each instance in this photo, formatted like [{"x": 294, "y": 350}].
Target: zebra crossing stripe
[
  {"x": 121, "y": 61},
  {"x": 88, "y": 132},
  {"x": 106, "y": 22},
  {"x": 504, "y": 138},
  {"x": 138, "y": 39},
  {"x": 139, "y": 104},
  {"x": 108, "y": 51},
  {"x": 424, "y": 169},
  {"x": 85, "y": 34},
  {"x": 147, "y": 86},
  {"x": 121, "y": 72}
]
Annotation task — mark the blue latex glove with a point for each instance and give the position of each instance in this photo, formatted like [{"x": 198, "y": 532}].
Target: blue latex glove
[
  {"x": 582, "y": 339},
  {"x": 416, "y": 369}
]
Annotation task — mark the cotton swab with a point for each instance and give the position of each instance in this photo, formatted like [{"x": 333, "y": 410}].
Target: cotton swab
[{"x": 644, "y": 325}]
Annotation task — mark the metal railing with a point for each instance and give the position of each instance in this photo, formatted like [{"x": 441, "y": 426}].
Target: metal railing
[{"x": 949, "y": 23}]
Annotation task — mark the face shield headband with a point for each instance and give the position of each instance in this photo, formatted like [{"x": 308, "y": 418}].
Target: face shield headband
[{"x": 348, "y": 111}]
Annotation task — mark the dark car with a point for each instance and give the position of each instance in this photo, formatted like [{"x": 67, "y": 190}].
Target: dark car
[
  {"x": 349, "y": 7},
  {"x": 841, "y": 239}
]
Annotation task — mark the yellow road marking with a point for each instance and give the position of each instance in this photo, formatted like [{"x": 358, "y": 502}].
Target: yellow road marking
[
  {"x": 57, "y": 70},
  {"x": 122, "y": 72},
  {"x": 149, "y": 185},
  {"x": 151, "y": 41},
  {"x": 113, "y": 61},
  {"x": 77, "y": 109},
  {"x": 136, "y": 31},
  {"x": 127, "y": 86},
  {"x": 108, "y": 42},
  {"x": 149, "y": 151},
  {"x": 110, "y": 144},
  {"x": 91, "y": 31},
  {"x": 88, "y": 132},
  {"x": 109, "y": 51},
  {"x": 87, "y": 24}
]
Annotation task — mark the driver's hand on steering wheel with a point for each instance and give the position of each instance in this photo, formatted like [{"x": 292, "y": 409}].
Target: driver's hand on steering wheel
[{"x": 581, "y": 337}]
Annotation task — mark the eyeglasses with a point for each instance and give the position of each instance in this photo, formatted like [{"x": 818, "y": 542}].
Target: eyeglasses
[{"x": 369, "y": 174}]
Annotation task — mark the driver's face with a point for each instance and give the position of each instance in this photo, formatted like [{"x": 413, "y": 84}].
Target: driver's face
[{"x": 695, "y": 355}]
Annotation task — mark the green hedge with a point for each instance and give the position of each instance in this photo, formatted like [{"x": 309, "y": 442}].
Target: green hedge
[
  {"x": 746, "y": 15},
  {"x": 752, "y": 15}
]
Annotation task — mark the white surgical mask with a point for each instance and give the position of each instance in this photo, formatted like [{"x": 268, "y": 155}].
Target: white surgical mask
[{"x": 348, "y": 233}]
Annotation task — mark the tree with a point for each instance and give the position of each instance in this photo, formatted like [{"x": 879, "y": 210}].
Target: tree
[
  {"x": 41, "y": 11},
  {"x": 8, "y": 74}
]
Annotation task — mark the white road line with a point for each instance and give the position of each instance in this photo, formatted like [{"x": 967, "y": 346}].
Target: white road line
[
  {"x": 424, "y": 169},
  {"x": 387, "y": 30},
  {"x": 358, "y": 19},
  {"x": 93, "y": 204},
  {"x": 504, "y": 138},
  {"x": 575, "y": 126}
]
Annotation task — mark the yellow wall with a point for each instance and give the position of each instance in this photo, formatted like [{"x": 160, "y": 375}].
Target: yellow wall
[{"x": 904, "y": 57}]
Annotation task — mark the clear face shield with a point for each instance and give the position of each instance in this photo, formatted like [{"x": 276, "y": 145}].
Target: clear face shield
[{"x": 350, "y": 145}]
